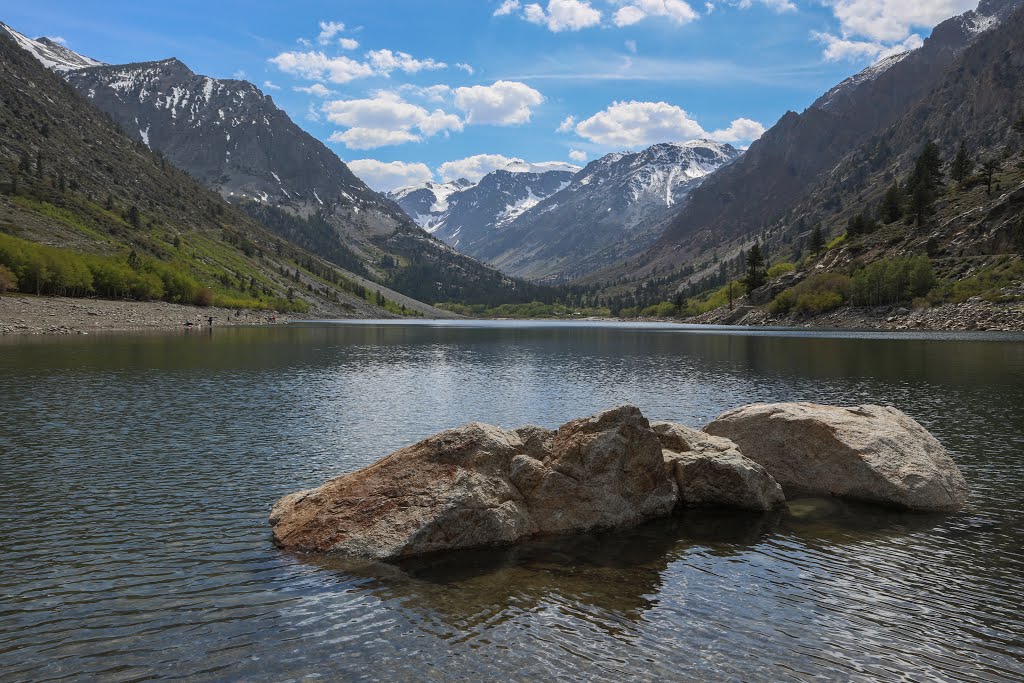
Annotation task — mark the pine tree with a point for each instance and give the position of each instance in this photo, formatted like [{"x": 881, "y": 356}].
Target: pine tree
[
  {"x": 925, "y": 182},
  {"x": 817, "y": 240},
  {"x": 989, "y": 168},
  {"x": 962, "y": 165},
  {"x": 39, "y": 164},
  {"x": 14, "y": 183},
  {"x": 756, "y": 273},
  {"x": 892, "y": 204},
  {"x": 133, "y": 216}
]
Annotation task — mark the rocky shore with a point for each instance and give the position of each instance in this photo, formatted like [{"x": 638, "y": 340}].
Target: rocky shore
[
  {"x": 20, "y": 314},
  {"x": 974, "y": 314}
]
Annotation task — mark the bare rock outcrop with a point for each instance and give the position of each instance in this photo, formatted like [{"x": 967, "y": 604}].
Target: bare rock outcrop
[
  {"x": 711, "y": 471},
  {"x": 479, "y": 485},
  {"x": 871, "y": 453}
]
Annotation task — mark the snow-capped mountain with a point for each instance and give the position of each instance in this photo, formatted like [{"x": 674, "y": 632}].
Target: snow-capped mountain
[
  {"x": 614, "y": 206},
  {"x": 226, "y": 133},
  {"x": 230, "y": 136},
  {"x": 427, "y": 202},
  {"x": 52, "y": 54},
  {"x": 463, "y": 213}
]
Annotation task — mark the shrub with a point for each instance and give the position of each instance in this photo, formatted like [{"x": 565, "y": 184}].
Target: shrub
[
  {"x": 893, "y": 281},
  {"x": 836, "y": 242},
  {"x": 8, "y": 280},
  {"x": 819, "y": 293},
  {"x": 781, "y": 269},
  {"x": 204, "y": 297}
]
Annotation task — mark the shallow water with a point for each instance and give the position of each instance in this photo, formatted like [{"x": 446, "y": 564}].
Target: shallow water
[{"x": 138, "y": 472}]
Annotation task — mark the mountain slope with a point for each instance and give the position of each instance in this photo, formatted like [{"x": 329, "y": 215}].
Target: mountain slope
[
  {"x": 779, "y": 168},
  {"x": 969, "y": 237},
  {"x": 117, "y": 220},
  {"x": 614, "y": 207},
  {"x": 234, "y": 139}
]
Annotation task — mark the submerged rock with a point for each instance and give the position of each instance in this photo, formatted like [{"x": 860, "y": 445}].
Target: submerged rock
[
  {"x": 869, "y": 453},
  {"x": 710, "y": 470},
  {"x": 479, "y": 485}
]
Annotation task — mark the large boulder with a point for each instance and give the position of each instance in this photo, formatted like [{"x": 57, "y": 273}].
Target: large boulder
[
  {"x": 711, "y": 471},
  {"x": 870, "y": 453},
  {"x": 479, "y": 485}
]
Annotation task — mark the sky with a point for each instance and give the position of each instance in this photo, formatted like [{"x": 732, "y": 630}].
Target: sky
[{"x": 407, "y": 91}]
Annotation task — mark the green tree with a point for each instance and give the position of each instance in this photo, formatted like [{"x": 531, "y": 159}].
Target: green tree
[
  {"x": 925, "y": 182},
  {"x": 817, "y": 240},
  {"x": 133, "y": 216},
  {"x": 962, "y": 165},
  {"x": 989, "y": 168},
  {"x": 891, "y": 209},
  {"x": 756, "y": 272}
]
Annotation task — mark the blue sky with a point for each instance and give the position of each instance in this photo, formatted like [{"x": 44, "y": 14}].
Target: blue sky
[{"x": 406, "y": 90}]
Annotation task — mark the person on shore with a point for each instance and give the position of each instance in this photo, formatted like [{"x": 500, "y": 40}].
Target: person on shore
[{"x": 209, "y": 321}]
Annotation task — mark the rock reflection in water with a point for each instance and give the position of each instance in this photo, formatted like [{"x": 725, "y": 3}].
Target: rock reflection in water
[{"x": 619, "y": 572}]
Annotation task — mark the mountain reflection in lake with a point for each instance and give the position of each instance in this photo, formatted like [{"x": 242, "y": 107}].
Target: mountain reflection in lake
[{"x": 139, "y": 470}]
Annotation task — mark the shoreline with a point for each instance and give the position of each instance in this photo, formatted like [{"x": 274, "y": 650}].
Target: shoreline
[{"x": 22, "y": 314}]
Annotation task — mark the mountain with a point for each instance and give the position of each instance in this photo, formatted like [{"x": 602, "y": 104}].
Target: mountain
[
  {"x": 614, "y": 207},
  {"x": 871, "y": 212},
  {"x": 52, "y": 54},
  {"x": 793, "y": 156},
  {"x": 232, "y": 138},
  {"x": 463, "y": 213},
  {"x": 427, "y": 202},
  {"x": 86, "y": 210}
]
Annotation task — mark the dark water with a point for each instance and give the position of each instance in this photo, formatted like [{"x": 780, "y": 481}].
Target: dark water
[{"x": 137, "y": 473}]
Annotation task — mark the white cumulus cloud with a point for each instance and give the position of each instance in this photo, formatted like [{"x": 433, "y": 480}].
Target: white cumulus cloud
[
  {"x": 329, "y": 29},
  {"x": 640, "y": 124},
  {"x": 371, "y": 138},
  {"x": 577, "y": 155},
  {"x": 318, "y": 66},
  {"x": 389, "y": 175},
  {"x": 741, "y": 130},
  {"x": 567, "y": 125},
  {"x": 634, "y": 11},
  {"x": 318, "y": 89},
  {"x": 843, "y": 49},
  {"x": 506, "y": 8},
  {"x": 386, "y": 119},
  {"x": 504, "y": 103},
  {"x": 348, "y": 43},
  {"x": 563, "y": 15},
  {"x": 386, "y": 61},
  {"x": 270, "y": 85}
]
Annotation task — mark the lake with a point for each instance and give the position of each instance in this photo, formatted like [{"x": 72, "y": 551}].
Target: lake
[{"x": 138, "y": 472}]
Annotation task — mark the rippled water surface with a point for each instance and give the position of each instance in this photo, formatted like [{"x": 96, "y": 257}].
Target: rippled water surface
[{"x": 138, "y": 471}]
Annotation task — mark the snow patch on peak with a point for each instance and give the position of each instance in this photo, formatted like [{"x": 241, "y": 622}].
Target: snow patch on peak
[{"x": 51, "y": 54}]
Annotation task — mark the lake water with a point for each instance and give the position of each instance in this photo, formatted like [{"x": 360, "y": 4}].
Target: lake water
[{"x": 138, "y": 471}]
